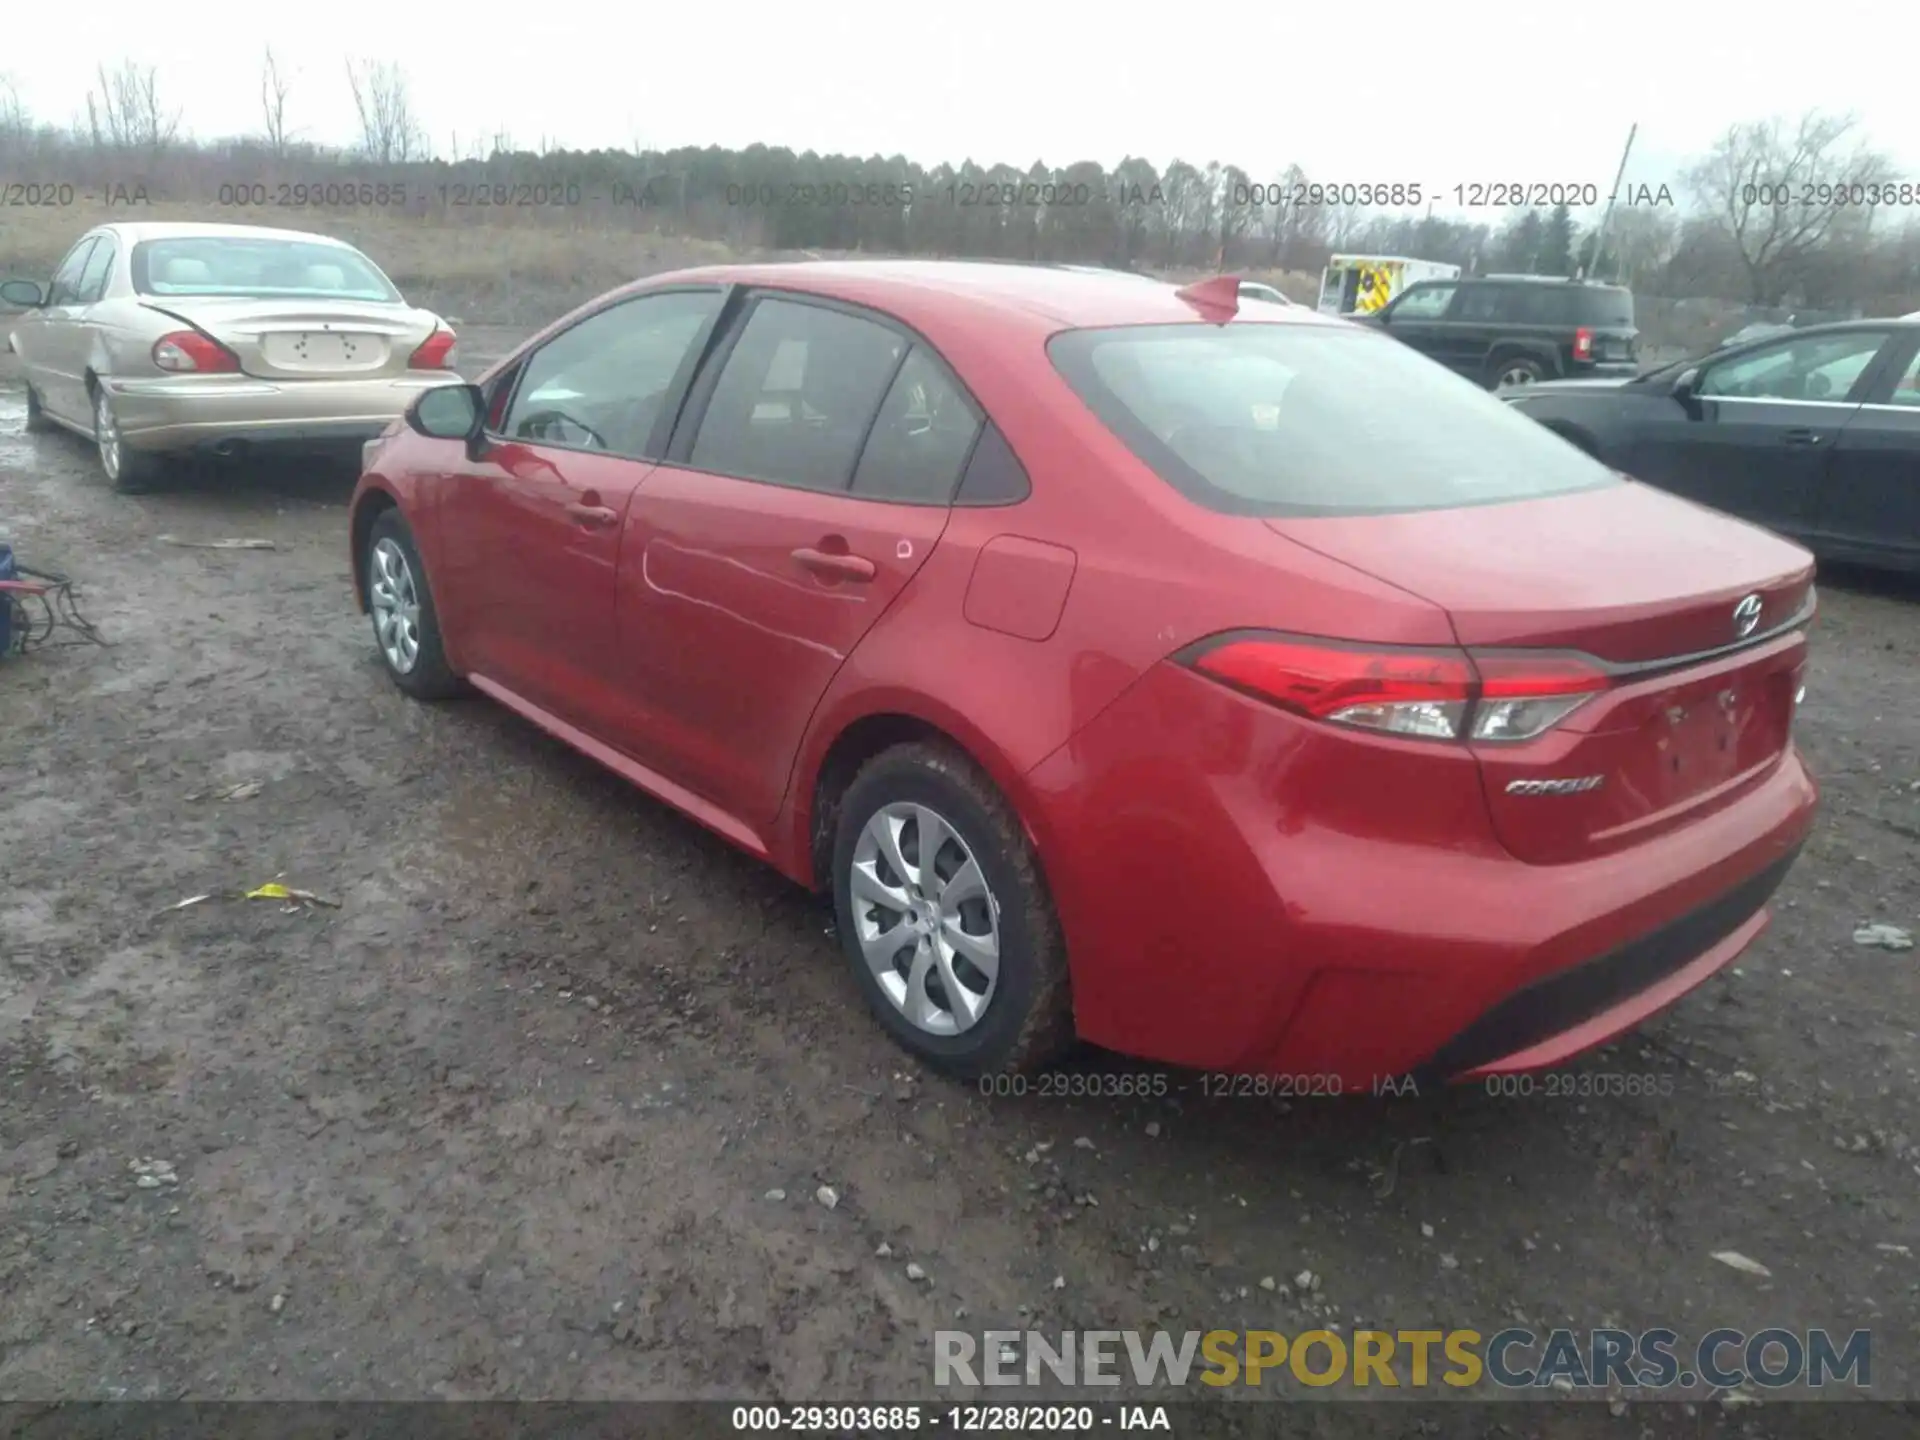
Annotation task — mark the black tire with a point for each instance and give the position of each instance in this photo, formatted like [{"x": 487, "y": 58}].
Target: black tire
[
  {"x": 130, "y": 472},
  {"x": 429, "y": 677},
  {"x": 37, "y": 421},
  {"x": 1028, "y": 1021},
  {"x": 1508, "y": 368}
]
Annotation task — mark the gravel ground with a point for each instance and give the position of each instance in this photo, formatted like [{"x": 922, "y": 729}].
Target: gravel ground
[{"x": 544, "y": 1107}]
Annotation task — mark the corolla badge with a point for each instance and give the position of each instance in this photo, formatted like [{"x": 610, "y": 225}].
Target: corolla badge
[
  {"x": 1574, "y": 786},
  {"x": 1746, "y": 615}
]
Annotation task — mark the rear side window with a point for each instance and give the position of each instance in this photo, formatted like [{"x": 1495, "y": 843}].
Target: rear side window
[
  {"x": 1601, "y": 307},
  {"x": 800, "y": 390},
  {"x": 922, "y": 438},
  {"x": 1487, "y": 302},
  {"x": 1541, "y": 305},
  {"x": 1310, "y": 420}
]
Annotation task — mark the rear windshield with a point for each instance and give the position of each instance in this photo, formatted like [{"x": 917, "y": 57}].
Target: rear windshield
[
  {"x": 260, "y": 268},
  {"x": 1254, "y": 419}
]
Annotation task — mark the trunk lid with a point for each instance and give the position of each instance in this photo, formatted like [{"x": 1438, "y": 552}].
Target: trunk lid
[
  {"x": 1648, "y": 585},
  {"x": 308, "y": 339}
]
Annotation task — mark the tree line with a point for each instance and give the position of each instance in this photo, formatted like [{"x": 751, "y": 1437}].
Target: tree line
[{"x": 1778, "y": 212}]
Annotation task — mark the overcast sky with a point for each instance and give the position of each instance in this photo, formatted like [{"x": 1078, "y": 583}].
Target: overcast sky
[{"x": 1375, "y": 92}]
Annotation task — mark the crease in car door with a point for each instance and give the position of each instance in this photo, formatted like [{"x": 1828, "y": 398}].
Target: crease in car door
[{"x": 752, "y": 571}]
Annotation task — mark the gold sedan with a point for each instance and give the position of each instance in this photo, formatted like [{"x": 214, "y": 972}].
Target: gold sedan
[{"x": 160, "y": 340}]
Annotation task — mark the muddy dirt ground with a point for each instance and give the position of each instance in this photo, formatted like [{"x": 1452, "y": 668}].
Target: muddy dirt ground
[{"x": 542, "y": 1108}]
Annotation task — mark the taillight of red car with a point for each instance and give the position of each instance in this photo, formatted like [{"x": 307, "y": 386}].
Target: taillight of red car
[
  {"x": 1421, "y": 693},
  {"x": 188, "y": 352},
  {"x": 434, "y": 353},
  {"x": 1583, "y": 344}
]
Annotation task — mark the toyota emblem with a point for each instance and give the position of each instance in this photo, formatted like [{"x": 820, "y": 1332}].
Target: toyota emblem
[{"x": 1746, "y": 617}]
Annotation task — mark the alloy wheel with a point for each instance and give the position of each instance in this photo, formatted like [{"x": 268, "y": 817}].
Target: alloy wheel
[{"x": 106, "y": 434}]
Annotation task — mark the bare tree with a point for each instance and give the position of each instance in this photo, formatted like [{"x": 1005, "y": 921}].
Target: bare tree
[
  {"x": 1640, "y": 240},
  {"x": 1344, "y": 220},
  {"x": 390, "y": 132},
  {"x": 15, "y": 123},
  {"x": 1781, "y": 195},
  {"x": 273, "y": 104},
  {"x": 125, "y": 113}
]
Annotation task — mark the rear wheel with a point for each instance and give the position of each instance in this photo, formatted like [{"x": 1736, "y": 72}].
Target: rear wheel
[
  {"x": 944, "y": 916},
  {"x": 406, "y": 627},
  {"x": 1516, "y": 370},
  {"x": 37, "y": 421},
  {"x": 130, "y": 471}
]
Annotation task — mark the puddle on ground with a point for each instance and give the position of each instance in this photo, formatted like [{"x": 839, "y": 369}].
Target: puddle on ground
[{"x": 16, "y": 446}]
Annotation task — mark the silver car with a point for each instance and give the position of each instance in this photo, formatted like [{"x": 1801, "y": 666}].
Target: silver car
[
  {"x": 1254, "y": 290},
  {"x": 159, "y": 340}
]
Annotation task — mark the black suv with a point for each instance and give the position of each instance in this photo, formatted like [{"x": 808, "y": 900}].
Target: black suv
[{"x": 1504, "y": 330}]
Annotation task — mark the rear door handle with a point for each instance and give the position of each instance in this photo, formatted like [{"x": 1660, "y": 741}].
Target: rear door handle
[
  {"x": 1801, "y": 437},
  {"x": 834, "y": 566},
  {"x": 591, "y": 517}
]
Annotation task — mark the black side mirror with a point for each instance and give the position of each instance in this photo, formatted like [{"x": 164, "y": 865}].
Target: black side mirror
[
  {"x": 26, "y": 294},
  {"x": 448, "y": 412},
  {"x": 1686, "y": 389}
]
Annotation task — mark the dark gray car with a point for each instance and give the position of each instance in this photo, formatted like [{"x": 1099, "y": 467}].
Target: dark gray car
[{"x": 1814, "y": 433}]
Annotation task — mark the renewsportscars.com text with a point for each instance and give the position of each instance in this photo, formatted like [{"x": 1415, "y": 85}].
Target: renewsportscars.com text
[{"x": 1510, "y": 1359}]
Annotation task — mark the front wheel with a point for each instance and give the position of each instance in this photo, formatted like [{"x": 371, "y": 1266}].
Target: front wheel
[
  {"x": 944, "y": 916},
  {"x": 406, "y": 627},
  {"x": 131, "y": 472}
]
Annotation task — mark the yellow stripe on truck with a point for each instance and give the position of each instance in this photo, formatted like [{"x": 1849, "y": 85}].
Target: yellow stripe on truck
[{"x": 1376, "y": 286}]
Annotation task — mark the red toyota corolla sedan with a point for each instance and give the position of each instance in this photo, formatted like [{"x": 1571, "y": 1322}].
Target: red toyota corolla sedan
[{"x": 1228, "y": 685}]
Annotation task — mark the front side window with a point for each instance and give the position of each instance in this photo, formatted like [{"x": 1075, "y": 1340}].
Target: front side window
[
  {"x": 93, "y": 278},
  {"x": 1255, "y": 419},
  {"x": 1424, "y": 302},
  {"x": 262, "y": 268},
  {"x": 65, "y": 286},
  {"x": 603, "y": 383},
  {"x": 801, "y": 388},
  {"x": 1807, "y": 367}
]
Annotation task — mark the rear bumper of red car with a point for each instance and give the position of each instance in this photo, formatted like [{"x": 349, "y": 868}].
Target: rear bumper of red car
[
  {"x": 1573, "y": 1010},
  {"x": 1287, "y": 902}
]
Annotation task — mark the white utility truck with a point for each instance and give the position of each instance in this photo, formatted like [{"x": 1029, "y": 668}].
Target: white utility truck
[{"x": 1362, "y": 284}]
